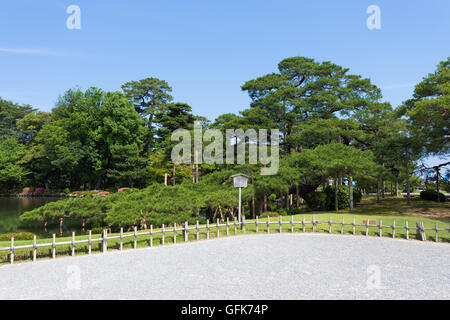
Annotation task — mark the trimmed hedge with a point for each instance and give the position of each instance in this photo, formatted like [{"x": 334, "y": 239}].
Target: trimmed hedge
[{"x": 431, "y": 195}]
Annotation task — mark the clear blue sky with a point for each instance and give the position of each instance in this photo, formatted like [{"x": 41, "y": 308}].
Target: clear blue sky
[{"x": 207, "y": 49}]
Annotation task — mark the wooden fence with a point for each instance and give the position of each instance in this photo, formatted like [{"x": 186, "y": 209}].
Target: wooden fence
[{"x": 185, "y": 229}]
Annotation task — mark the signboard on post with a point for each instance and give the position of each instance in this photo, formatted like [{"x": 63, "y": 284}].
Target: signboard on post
[{"x": 240, "y": 181}]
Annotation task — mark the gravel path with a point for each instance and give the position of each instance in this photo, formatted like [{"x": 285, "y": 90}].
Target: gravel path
[{"x": 274, "y": 266}]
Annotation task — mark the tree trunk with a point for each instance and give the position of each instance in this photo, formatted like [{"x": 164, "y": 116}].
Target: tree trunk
[
  {"x": 437, "y": 183},
  {"x": 336, "y": 203},
  {"x": 350, "y": 192},
  {"x": 408, "y": 187},
  {"x": 265, "y": 203},
  {"x": 297, "y": 195}
]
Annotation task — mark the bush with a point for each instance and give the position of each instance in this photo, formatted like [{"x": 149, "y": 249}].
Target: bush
[
  {"x": 66, "y": 191},
  {"x": 97, "y": 230},
  {"x": 432, "y": 195},
  {"x": 269, "y": 214},
  {"x": 295, "y": 210},
  {"x": 282, "y": 212},
  {"x": 316, "y": 200},
  {"x": 343, "y": 197},
  {"x": 17, "y": 236}
]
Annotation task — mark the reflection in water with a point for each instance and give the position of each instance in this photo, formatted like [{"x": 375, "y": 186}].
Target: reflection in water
[{"x": 11, "y": 208}]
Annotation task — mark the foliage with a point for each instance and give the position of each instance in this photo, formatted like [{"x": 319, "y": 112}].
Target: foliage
[
  {"x": 316, "y": 200},
  {"x": 432, "y": 195}
]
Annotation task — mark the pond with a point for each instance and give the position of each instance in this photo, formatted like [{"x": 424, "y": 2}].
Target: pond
[{"x": 12, "y": 207}]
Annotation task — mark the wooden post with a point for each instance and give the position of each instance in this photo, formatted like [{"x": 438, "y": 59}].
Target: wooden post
[
  {"x": 243, "y": 223},
  {"x": 353, "y": 224},
  {"x": 436, "y": 230},
  {"x": 12, "y": 250},
  {"x": 268, "y": 224},
  {"x": 342, "y": 226},
  {"x": 121, "y": 239},
  {"x": 185, "y": 231},
  {"x": 135, "y": 237},
  {"x": 217, "y": 228},
  {"x": 165, "y": 179},
  {"x": 329, "y": 225},
  {"x": 421, "y": 231},
  {"x": 163, "y": 234},
  {"x": 407, "y": 230},
  {"x": 281, "y": 225},
  {"x": 381, "y": 228},
  {"x": 198, "y": 230},
  {"x": 393, "y": 229},
  {"x": 54, "y": 246},
  {"x": 235, "y": 227},
  {"x": 367, "y": 227},
  {"x": 228, "y": 227},
  {"x": 314, "y": 223},
  {"x": 151, "y": 235},
  {"x": 73, "y": 244},
  {"x": 34, "y": 248},
  {"x": 174, "y": 233},
  {"x": 292, "y": 223},
  {"x": 303, "y": 223},
  {"x": 207, "y": 229},
  {"x": 105, "y": 241},
  {"x": 256, "y": 224},
  {"x": 90, "y": 242}
]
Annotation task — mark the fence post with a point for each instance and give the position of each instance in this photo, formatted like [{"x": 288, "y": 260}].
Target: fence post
[
  {"x": 121, "y": 239},
  {"x": 329, "y": 225},
  {"x": 73, "y": 244},
  {"x": 12, "y": 250},
  {"x": 198, "y": 231},
  {"x": 281, "y": 225},
  {"x": 207, "y": 229},
  {"x": 420, "y": 231},
  {"x": 292, "y": 224},
  {"x": 135, "y": 237},
  {"x": 174, "y": 233},
  {"x": 90, "y": 242},
  {"x": 151, "y": 235},
  {"x": 235, "y": 227},
  {"x": 54, "y": 246},
  {"x": 367, "y": 227},
  {"x": 163, "y": 234},
  {"x": 353, "y": 224},
  {"x": 185, "y": 231},
  {"x": 314, "y": 223},
  {"x": 243, "y": 223},
  {"x": 256, "y": 223},
  {"x": 436, "y": 229},
  {"x": 381, "y": 228},
  {"x": 407, "y": 230},
  {"x": 303, "y": 223},
  {"x": 393, "y": 229},
  {"x": 105, "y": 241},
  {"x": 342, "y": 226},
  {"x": 268, "y": 224},
  {"x": 34, "y": 248},
  {"x": 228, "y": 227},
  {"x": 217, "y": 228}
]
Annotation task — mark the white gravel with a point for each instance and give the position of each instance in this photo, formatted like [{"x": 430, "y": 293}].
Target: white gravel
[{"x": 274, "y": 266}]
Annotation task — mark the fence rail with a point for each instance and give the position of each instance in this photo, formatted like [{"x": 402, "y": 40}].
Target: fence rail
[{"x": 185, "y": 229}]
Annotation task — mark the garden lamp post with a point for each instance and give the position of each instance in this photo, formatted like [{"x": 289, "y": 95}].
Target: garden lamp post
[{"x": 240, "y": 181}]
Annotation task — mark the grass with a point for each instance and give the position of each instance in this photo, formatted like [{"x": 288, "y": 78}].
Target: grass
[{"x": 389, "y": 209}]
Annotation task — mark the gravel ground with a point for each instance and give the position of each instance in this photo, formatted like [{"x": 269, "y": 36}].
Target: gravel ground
[{"x": 274, "y": 266}]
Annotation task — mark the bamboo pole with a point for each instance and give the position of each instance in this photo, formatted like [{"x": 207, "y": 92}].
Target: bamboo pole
[
  {"x": 121, "y": 239},
  {"x": 54, "y": 246},
  {"x": 12, "y": 251},
  {"x": 90, "y": 242},
  {"x": 73, "y": 244},
  {"x": 151, "y": 235}
]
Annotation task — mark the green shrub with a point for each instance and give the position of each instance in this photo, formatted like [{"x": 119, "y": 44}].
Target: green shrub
[
  {"x": 97, "y": 230},
  {"x": 431, "y": 195},
  {"x": 343, "y": 197},
  {"x": 282, "y": 212},
  {"x": 316, "y": 200},
  {"x": 269, "y": 214},
  {"x": 17, "y": 236},
  {"x": 295, "y": 210}
]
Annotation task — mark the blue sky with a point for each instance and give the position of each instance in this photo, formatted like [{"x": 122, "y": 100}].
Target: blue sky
[{"x": 207, "y": 49}]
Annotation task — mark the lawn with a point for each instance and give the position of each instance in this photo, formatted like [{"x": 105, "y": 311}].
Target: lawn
[{"x": 389, "y": 209}]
